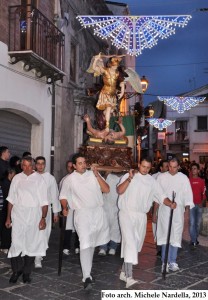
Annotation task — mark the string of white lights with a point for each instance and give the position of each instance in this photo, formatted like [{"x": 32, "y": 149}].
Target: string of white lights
[
  {"x": 160, "y": 124},
  {"x": 180, "y": 104},
  {"x": 134, "y": 33}
]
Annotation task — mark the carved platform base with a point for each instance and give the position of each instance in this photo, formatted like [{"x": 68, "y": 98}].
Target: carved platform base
[{"x": 108, "y": 157}]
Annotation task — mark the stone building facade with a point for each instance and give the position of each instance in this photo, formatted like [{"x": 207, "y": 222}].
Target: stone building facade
[
  {"x": 43, "y": 75},
  {"x": 73, "y": 101},
  {"x": 25, "y": 96}
]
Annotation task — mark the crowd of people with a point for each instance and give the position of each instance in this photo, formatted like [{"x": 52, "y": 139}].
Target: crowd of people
[{"x": 102, "y": 211}]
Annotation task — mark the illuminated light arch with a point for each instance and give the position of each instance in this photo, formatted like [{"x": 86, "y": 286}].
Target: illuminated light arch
[
  {"x": 160, "y": 124},
  {"x": 181, "y": 104},
  {"x": 134, "y": 33}
]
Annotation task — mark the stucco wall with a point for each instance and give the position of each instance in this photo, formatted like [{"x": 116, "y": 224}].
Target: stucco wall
[{"x": 30, "y": 99}]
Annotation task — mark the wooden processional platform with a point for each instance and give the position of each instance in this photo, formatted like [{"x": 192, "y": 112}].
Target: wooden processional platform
[{"x": 109, "y": 158}]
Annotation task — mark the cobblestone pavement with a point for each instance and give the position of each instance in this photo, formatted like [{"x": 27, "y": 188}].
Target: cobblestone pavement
[{"x": 46, "y": 284}]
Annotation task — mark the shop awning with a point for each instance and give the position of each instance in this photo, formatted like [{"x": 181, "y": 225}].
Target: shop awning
[{"x": 200, "y": 148}]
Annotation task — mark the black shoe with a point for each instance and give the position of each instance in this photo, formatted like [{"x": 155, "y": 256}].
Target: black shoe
[
  {"x": 26, "y": 278},
  {"x": 93, "y": 278},
  {"x": 14, "y": 277},
  {"x": 159, "y": 253},
  {"x": 193, "y": 246},
  {"x": 197, "y": 242},
  {"x": 88, "y": 284}
]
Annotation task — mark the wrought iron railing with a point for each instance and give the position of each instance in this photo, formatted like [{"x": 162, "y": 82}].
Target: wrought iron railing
[{"x": 30, "y": 30}]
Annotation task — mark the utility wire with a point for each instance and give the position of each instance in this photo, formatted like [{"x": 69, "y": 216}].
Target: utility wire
[{"x": 65, "y": 87}]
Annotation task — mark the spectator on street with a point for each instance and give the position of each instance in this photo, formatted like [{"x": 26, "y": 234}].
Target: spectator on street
[
  {"x": 4, "y": 161},
  {"x": 5, "y": 233},
  {"x": 15, "y": 163},
  {"x": 199, "y": 196}
]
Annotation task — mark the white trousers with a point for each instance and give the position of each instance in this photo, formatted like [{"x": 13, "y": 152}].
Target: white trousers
[{"x": 86, "y": 258}]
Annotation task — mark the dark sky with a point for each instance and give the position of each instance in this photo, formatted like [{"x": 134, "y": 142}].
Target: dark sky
[{"x": 180, "y": 63}]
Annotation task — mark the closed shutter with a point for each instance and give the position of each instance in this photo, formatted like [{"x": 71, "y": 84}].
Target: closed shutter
[{"x": 15, "y": 133}]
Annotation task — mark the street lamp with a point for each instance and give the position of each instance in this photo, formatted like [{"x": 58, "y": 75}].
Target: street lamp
[
  {"x": 144, "y": 83},
  {"x": 150, "y": 111},
  {"x": 149, "y": 114}
]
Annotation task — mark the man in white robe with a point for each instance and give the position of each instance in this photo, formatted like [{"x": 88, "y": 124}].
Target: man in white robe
[
  {"x": 177, "y": 182},
  {"x": 27, "y": 211},
  {"x": 111, "y": 209},
  {"x": 70, "y": 219},
  {"x": 137, "y": 192},
  {"x": 82, "y": 191},
  {"x": 162, "y": 167},
  {"x": 53, "y": 200}
]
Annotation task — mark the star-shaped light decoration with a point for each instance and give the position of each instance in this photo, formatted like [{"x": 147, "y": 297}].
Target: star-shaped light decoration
[
  {"x": 181, "y": 103},
  {"x": 134, "y": 33},
  {"x": 159, "y": 123}
]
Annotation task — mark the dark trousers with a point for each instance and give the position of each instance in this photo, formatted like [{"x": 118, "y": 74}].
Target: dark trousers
[
  {"x": 5, "y": 233},
  {"x": 23, "y": 264},
  {"x": 68, "y": 239}
]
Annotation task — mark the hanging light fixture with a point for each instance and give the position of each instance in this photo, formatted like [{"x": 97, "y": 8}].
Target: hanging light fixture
[
  {"x": 181, "y": 103},
  {"x": 160, "y": 124},
  {"x": 151, "y": 110},
  {"x": 134, "y": 33},
  {"x": 144, "y": 83}
]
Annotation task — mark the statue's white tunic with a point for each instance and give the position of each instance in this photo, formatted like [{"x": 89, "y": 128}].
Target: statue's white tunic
[
  {"x": 53, "y": 199},
  {"x": 111, "y": 207},
  {"x": 27, "y": 194},
  {"x": 83, "y": 193},
  {"x": 179, "y": 183},
  {"x": 134, "y": 204}
]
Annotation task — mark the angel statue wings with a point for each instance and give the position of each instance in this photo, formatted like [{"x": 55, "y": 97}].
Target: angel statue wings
[{"x": 114, "y": 78}]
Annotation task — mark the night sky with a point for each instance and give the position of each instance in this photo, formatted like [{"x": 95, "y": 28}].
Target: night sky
[{"x": 180, "y": 63}]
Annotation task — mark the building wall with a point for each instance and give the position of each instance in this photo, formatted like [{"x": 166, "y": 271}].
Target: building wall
[
  {"x": 45, "y": 6},
  {"x": 72, "y": 101},
  {"x": 198, "y": 138},
  {"x": 4, "y": 21},
  {"x": 21, "y": 92},
  {"x": 195, "y": 139},
  {"x": 29, "y": 99}
]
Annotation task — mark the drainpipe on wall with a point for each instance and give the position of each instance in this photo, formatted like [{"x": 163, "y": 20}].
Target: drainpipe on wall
[{"x": 53, "y": 109}]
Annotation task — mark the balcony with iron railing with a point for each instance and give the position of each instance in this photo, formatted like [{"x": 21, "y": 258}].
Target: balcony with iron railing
[{"x": 36, "y": 41}]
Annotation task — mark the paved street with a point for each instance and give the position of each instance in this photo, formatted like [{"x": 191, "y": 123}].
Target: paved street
[{"x": 46, "y": 284}]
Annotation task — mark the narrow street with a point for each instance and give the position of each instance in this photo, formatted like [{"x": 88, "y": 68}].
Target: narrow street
[{"x": 46, "y": 284}]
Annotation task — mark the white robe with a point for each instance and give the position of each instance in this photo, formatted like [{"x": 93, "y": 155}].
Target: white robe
[
  {"x": 134, "y": 204},
  {"x": 179, "y": 183},
  {"x": 27, "y": 194},
  {"x": 111, "y": 207},
  {"x": 52, "y": 190},
  {"x": 70, "y": 216},
  {"x": 83, "y": 193},
  {"x": 154, "y": 225}
]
